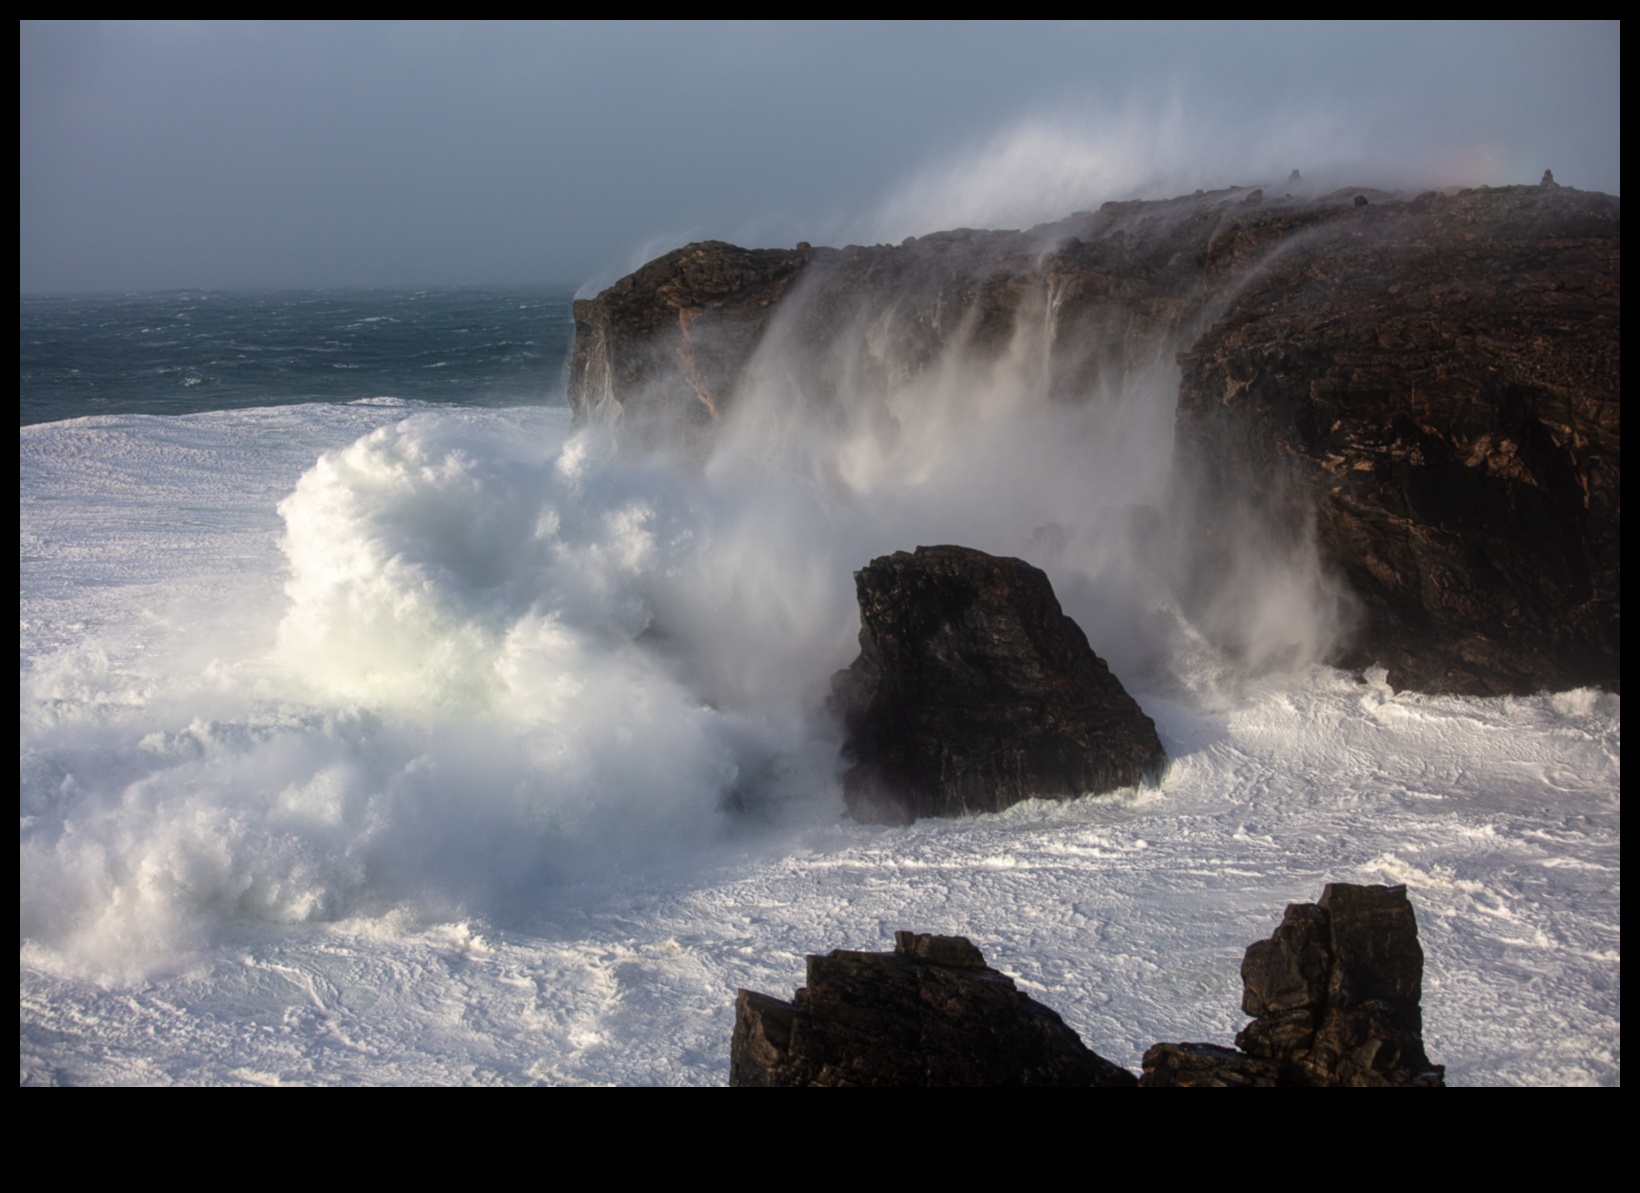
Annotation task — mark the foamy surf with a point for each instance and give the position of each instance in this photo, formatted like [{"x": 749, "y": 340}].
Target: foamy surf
[{"x": 397, "y": 767}]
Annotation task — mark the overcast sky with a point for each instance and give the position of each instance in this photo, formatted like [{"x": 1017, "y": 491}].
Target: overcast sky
[{"x": 272, "y": 155}]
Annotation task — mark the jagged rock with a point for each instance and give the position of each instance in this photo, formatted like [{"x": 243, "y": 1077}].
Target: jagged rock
[
  {"x": 1432, "y": 385},
  {"x": 931, "y": 1013},
  {"x": 973, "y": 691},
  {"x": 1335, "y": 994},
  {"x": 1207, "y": 1066}
]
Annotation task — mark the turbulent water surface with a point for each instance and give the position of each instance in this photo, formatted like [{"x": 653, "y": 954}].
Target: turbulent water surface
[{"x": 383, "y": 730}]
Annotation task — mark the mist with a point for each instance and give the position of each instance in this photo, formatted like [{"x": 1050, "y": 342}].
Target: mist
[{"x": 505, "y": 655}]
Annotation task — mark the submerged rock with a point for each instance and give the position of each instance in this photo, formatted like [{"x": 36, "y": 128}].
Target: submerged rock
[
  {"x": 931, "y": 1013},
  {"x": 973, "y": 691},
  {"x": 1335, "y": 993}
]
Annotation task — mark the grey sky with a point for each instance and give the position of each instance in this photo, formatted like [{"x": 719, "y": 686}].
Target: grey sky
[{"x": 250, "y": 155}]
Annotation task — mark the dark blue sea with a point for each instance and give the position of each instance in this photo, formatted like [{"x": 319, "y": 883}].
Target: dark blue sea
[{"x": 188, "y": 351}]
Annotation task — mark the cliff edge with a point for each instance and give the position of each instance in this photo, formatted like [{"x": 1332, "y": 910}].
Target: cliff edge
[{"x": 1431, "y": 383}]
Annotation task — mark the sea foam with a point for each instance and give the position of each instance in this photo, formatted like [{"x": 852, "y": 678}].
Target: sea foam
[{"x": 344, "y": 719}]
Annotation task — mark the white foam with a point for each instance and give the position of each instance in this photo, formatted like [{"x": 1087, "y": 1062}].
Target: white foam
[{"x": 437, "y": 730}]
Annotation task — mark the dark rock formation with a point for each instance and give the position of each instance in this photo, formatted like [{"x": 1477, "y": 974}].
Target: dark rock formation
[
  {"x": 1335, "y": 994},
  {"x": 1433, "y": 384},
  {"x": 931, "y": 1013},
  {"x": 1116, "y": 286},
  {"x": 1437, "y": 385},
  {"x": 973, "y": 690},
  {"x": 1206, "y": 1066},
  {"x": 664, "y": 347}
]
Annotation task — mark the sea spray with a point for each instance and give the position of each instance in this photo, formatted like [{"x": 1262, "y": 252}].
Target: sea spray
[
  {"x": 507, "y": 656},
  {"x": 455, "y": 708},
  {"x": 271, "y": 880},
  {"x": 911, "y": 412}
]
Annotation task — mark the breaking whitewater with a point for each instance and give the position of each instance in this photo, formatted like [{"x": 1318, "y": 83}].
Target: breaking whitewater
[{"x": 423, "y": 739}]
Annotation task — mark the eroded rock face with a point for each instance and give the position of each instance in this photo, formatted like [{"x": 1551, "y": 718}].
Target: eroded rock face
[
  {"x": 670, "y": 344},
  {"x": 1335, "y": 994},
  {"x": 931, "y": 1013},
  {"x": 973, "y": 690},
  {"x": 663, "y": 348},
  {"x": 1432, "y": 384},
  {"x": 1436, "y": 386}
]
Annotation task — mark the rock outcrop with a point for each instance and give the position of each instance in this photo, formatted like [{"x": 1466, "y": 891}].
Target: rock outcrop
[
  {"x": 973, "y": 691},
  {"x": 1433, "y": 384},
  {"x": 1335, "y": 994},
  {"x": 931, "y": 1013},
  {"x": 663, "y": 348},
  {"x": 1336, "y": 998},
  {"x": 1437, "y": 386}
]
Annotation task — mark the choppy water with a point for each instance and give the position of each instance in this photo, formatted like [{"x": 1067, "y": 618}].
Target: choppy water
[{"x": 182, "y": 352}]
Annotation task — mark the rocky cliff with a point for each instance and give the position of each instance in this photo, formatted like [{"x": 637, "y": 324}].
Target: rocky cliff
[
  {"x": 1438, "y": 383},
  {"x": 663, "y": 348},
  {"x": 1432, "y": 383}
]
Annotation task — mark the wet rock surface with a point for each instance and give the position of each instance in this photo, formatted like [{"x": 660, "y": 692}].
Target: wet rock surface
[
  {"x": 663, "y": 348},
  {"x": 1436, "y": 387},
  {"x": 973, "y": 690},
  {"x": 1335, "y": 994},
  {"x": 931, "y": 1013},
  {"x": 1430, "y": 383}
]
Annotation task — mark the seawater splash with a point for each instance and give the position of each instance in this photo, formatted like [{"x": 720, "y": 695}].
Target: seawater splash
[
  {"x": 907, "y": 426},
  {"x": 492, "y": 655},
  {"x": 424, "y": 555},
  {"x": 1074, "y": 155},
  {"x": 327, "y": 862},
  {"x": 464, "y": 698}
]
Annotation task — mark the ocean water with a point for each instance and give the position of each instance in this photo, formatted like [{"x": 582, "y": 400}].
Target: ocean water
[
  {"x": 377, "y": 726},
  {"x": 184, "y": 352}
]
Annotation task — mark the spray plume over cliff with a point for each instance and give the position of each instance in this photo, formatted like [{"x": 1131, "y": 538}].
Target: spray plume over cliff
[{"x": 1361, "y": 426}]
